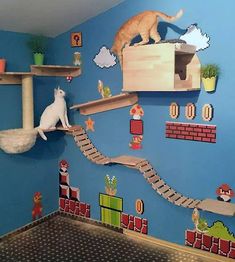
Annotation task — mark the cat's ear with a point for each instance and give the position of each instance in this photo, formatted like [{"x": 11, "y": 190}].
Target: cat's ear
[
  {"x": 58, "y": 88},
  {"x": 55, "y": 91}
]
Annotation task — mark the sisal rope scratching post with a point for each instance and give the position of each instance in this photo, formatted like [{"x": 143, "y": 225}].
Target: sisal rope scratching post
[{"x": 27, "y": 102}]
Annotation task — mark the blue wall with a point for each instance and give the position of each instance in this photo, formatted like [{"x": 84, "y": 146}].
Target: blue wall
[
  {"x": 191, "y": 168},
  {"x": 24, "y": 174}
]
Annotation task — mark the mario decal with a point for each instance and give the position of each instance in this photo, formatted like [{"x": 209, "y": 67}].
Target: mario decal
[
  {"x": 136, "y": 126},
  {"x": 225, "y": 193},
  {"x": 37, "y": 206}
]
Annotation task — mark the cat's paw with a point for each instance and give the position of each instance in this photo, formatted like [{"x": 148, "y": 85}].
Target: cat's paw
[{"x": 69, "y": 126}]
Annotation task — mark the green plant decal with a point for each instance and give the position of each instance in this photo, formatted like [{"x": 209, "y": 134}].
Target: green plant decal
[
  {"x": 110, "y": 185},
  {"x": 202, "y": 225},
  {"x": 37, "y": 43},
  {"x": 210, "y": 70},
  {"x": 219, "y": 230}
]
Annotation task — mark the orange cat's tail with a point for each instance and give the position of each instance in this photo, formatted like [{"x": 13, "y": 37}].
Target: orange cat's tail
[{"x": 169, "y": 18}]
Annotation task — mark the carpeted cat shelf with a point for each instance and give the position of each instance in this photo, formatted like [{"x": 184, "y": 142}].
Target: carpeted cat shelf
[{"x": 16, "y": 141}]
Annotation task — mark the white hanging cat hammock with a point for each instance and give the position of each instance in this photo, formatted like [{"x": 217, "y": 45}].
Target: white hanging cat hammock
[{"x": 16, "y": 141}]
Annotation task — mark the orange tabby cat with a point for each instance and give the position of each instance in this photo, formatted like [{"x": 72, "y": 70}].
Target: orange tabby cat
[{"x": 143, "y": 24}]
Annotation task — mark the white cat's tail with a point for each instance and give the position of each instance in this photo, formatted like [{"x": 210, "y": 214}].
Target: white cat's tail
[
  {"x": 169, "y": 18},
  {"x": 41, "y": 133}
]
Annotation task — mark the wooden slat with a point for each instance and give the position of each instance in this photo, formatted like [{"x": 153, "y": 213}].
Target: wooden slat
[
  {"x": 87, "y": 147},
  {"x": 187, "y": 202},
  {"x": 84, "y": 142},
  {"x": 194, "y": 204},
  {"x": 100, "y": 158},
  {"x": 153, "y": 179},
  {"x": 79, "y": 132},
  {"x": 163, "y": 189},
  {"x": 158, "y": 184},
  {"x": 127, "y": 160},
  {"x": 103, "y": 161},
  {"x": 145, "y": 168},
  {"x": 90, "y": 151},
  {"x": 93, "y": 156},
  {"x": 169, "y": 193},
  {"x": 82, "y": 137},
  {"x": 180, "y": 201},
  {"x": 149, "y": 173},
  {"x": 174, "y": 197},
  {"x": 142, "y": 163}
]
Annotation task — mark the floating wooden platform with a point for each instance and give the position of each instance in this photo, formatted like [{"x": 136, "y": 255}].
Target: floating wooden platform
[
  {"x": 55, "y": 70},
  {"x": 106, "y": 104},
  {"x": 13, "y": 78},
  {"x": 218, "y": 207}
]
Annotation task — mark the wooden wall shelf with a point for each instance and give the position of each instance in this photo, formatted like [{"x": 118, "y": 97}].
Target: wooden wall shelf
[
  {"x": 218, "y": 207},
  {"x": 13, "y": 78},
  {"x": 161, "y": 67},
  {"x": 106, "y": 104},
  {"x": 55, "y": 70}
]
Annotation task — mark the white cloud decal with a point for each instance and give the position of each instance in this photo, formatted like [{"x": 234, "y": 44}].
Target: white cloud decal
[
  {"x": 104, "y": 58},
  {"x": 194, "y": 36}
]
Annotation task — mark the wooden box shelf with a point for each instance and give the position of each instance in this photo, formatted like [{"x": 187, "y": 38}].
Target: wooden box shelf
[
  {"x": 161, "y": 67},
  {"x": 106, "y": 104},
  {"x": 55, "y": 70}
]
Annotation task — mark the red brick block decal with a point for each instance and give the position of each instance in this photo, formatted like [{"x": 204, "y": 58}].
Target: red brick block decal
[
  {"x": 195, "y": 132},
  {"x": 134, "y": 223},
  {"x": 211, "y": 244},
  {"x": 70, "y": 196}
]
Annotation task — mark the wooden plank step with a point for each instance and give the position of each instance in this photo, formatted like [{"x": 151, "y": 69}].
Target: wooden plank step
[
  {"x": 218, "y": 207},
  {"x": 153, "y": 179},
  {"x": 157, "y": 185},
  {"x": 149, "y": 173},
  {"x": 180, "y": 201},
  {"x": 90, "y": 151},
  {"x": 175, "y": 197},
  {"x": 103, "y": 161},
  {"x": 146, "y": 168},
  {"x": 79, "y": 132},
  {"x": 99, "y": 158},
  {"x": 163, "y": 189},
  {"x": 169, "y": 193},
  {"x": 187, "y": 202},
  {"x": 93, "y": 156},
  {"x": 87, "y": 147},
  {"x": 82, "y": 137},
  {"x": 142, "y": 163},
  {"x": 84, "y": 142},
  {"x": 194, "y": 203}
]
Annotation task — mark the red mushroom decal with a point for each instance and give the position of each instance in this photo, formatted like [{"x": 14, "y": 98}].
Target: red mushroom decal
[
  {"x": 136, "y": 111},
  {"x": 225, "y": 193}
]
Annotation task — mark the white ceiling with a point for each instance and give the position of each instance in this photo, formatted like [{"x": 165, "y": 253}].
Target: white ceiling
[{"x": 49, "y": 17}]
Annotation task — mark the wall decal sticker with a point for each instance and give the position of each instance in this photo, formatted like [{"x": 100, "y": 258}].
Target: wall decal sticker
[
  {"x": 136, "y": 126},
  {"x": 134, "y": 223},
  {"x": 77, "y": 59},
  {"x": 90, "y": 124},
  {"x": 110, "y": 185},
  {"x": 207, "y": 112},
  {"x": 190, "y": 111},
  {"x": 69, "y": 198},
  {"x": 139, "y": 206},
  {"x": 209, "y": 75},
  {"x": 194, "y": 36},
  {"x": 174, "y": 110},
  {"x": 188, "y": 131},
  {"x": 76, "y": 39},
  {"x": 216, "y": 239},
  {"x": 37, "y": 206},
  {"x": 69, "y": 79},
  {"x": 224, "y": 193},
  {"x": 103, "y": 90},
  {"x": 104, "y": 59}
]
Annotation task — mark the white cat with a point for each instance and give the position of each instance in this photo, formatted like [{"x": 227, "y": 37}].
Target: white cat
[{"x": 53, "y": 113}]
